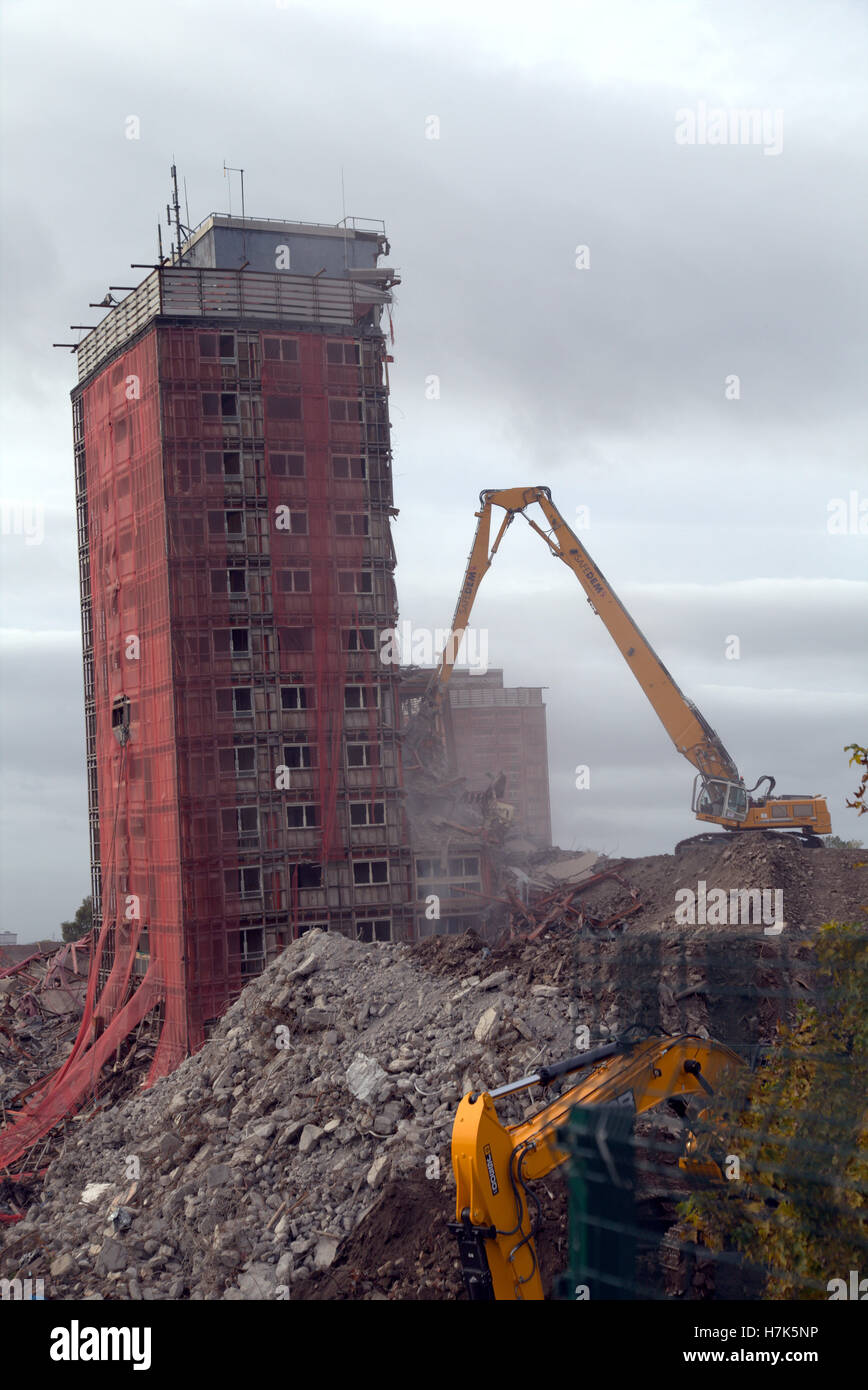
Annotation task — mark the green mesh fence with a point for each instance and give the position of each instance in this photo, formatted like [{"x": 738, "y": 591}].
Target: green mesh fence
[{"x": 784, "y": 1215}]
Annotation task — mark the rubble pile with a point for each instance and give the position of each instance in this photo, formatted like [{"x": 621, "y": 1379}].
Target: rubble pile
[
  {"x": 239, "y": 1175},
  {"x": 41, "y": 1002},
  {"x": 42, "y": 997},
  {"x": 815, "y": 885},
  {"x": 304, "y": 1151}
]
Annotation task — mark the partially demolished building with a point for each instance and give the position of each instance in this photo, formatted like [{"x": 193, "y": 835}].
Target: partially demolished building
[
  {"x": 478, "y": 798},
  {"x": 497, "y": 728},
  {"x": 233, "y": 471},
  {"x": 233, "y": 475}
]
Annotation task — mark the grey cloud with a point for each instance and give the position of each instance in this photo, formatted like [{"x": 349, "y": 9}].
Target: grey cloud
[{"x": 606, "y": 383}]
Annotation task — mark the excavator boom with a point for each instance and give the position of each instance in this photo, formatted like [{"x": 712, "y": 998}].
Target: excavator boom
[{"x": 720, "y": 796}]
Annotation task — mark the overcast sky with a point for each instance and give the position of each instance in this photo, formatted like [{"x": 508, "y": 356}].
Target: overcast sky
[{"x": 559, "y": 126}]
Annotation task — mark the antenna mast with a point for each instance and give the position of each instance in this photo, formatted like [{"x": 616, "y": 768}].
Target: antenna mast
[
  {"x": 227, "y": 170},
  {"x": 176, "y": 206}
]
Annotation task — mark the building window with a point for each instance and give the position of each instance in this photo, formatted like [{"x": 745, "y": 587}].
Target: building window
[
  {"x": 309, "y": 876},
  {"x": 370, "y": 871},
  {"x": 217, "y": 404},
  {"x": 121, "y": 719},
  {"x": 428, "y": 868},
  {"x": 244, "y": 820},
  {"x": 355, "y": 582},
  {"x": 229, "y": 581},
  {"x": 286, "y": 465},
  {"x": 297, "y": 755},
  {"x": 227, "y": 462},
  {"x": 344, "y": 412},
  {"x": 360, "y": 639},
  {"x": 346, "y": 467},
  {"x": 293, "y": 581},
  {"x": 293, "y": 697},
  {"x": 237, "y": 700},
  {"x": 361, "y": 697},
  {"x": 246, "y": 882},
  {"x": 212, "y": 343},
  {"x": 280, "y": 349},
  {"x": 252, "y": 950},
  {"x": 374, "y": 929},
  {"x": 251, "y": 885},
  {"x": 302, "y": 817},
  {"x": 226, "y": 523},
  {"x": 234, "y": 640},
  {"x": 342, "y": 354},
  {"x": 241, "y": 761},
  {"x": 367, "y": 813},
  {"x": 363, "y": 755},
  {"x": 466, "y": 866},
  {"x": 292, "y": 521},
  {"x": 351, "y": 524}
]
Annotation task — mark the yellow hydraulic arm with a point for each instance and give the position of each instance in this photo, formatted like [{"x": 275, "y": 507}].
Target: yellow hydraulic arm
[
  {"x": 492, "y": 1162},
  {"x": 719, "y": 792}
]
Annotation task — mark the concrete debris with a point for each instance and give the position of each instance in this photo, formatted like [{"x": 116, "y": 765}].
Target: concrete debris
[
  {"x": 494, "y": 981},
  {"x": 218, "y": 1172},
  {"x": 570, "y": 870},
  {"x": 322, "y": 1169},
  {"x": 93, "y": 1192},
  {"x": 365, "y": 1077},
  {"x": 41, "y": 1001},
  {"x": 486, "y": 1026},
  {"x": 310, "y": 1136},
  {"x": 42, "y": 995},
  {"x": 378, "y": 1171},
  {"x": 324, "y": 1252}
]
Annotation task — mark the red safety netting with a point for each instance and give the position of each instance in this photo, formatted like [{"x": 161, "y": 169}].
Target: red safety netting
[
  {"x": 139, "y": 829},
  {"x": 166, "y": 513}
]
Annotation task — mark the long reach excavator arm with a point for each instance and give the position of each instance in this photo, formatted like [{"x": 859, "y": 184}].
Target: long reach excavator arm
[{"x": 719, "y": 794}]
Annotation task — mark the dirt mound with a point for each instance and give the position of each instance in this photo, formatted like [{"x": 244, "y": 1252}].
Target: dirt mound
[
  {"x": 817, "y": 885},
  {"x": 401, "y": 1249}
]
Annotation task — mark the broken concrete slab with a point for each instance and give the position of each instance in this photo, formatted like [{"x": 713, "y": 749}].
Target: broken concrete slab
[
  {"x": 324, "y": 1252},
  {"x": 486, "y": 1026},
  {"x": 378, "y": 1170},
  {"x": 310, "y": 1135},
  {"x": 364, "y": 1077}
]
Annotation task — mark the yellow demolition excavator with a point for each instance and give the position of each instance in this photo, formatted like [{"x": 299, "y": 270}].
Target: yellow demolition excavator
[
  {"x": 493, "y": 1162},
  {"x": 719, "y": 793}
]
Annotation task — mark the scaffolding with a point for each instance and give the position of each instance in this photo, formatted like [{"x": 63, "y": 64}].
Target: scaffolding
[{"x": 234, "y": 496}]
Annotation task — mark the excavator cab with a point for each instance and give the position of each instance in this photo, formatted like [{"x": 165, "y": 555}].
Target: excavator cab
[{"x": 716, "y": 799}]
